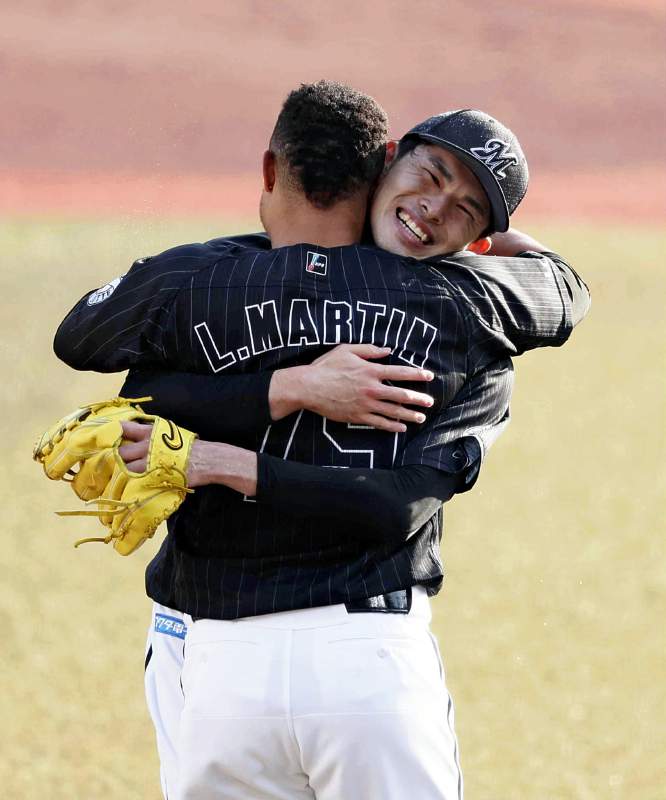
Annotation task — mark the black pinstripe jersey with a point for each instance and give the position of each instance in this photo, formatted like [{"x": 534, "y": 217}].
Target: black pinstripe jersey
[{"x": 230, "y": 307}]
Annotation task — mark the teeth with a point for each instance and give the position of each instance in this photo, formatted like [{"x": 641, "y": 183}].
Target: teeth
[{"x": 412, "y": 225}]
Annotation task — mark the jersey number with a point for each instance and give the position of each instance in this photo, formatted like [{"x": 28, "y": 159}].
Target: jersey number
[{"x": 346, "y": 445}]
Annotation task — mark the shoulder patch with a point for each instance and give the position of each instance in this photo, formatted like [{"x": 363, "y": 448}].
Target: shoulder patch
[{"x": 99, "y": 295}]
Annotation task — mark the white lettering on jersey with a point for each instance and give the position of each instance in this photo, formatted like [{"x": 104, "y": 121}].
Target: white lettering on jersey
[
  {"x": 370, "y": 312},
  {"x": 216, "y": 361},
  {"x": 337, "y": 321},
  {"x": 302, "y": 328},
  {"x": 341, "y": 322},
  {"x": 392, "y": 334},
  {"x": 265, "y": 333},
  {"x": 419, "y": 341}
]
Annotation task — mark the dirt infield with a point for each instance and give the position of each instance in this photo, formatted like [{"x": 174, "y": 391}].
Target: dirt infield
[{"x": 140, "y": 107}]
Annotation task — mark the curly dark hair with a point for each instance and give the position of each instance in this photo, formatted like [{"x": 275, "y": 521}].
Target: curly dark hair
[{"x": 332, "y": 140}]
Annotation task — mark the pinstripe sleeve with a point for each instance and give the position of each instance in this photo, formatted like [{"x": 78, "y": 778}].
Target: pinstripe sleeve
[
  {"x": 121, "y": 325},
  {"x": 479, "y": 411},
  {"x": 523, "y": 302}
]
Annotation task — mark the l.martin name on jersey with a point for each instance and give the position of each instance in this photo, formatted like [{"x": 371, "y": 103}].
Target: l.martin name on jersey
[
  {"x": 309, "y": 323},
  {"x": 235, "y": 306}
]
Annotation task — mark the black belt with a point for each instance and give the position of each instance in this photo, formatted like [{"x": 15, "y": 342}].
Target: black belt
[{"x": 398, "y": 602}]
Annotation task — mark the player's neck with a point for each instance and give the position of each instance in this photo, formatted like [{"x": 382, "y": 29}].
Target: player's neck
[{"x": 334, "y": 227}]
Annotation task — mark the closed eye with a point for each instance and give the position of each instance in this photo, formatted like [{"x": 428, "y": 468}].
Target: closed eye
[{"x": 435, "y": 179}]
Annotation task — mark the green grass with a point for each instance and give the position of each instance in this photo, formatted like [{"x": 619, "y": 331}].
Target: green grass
[{"x": 551, "y": 624}]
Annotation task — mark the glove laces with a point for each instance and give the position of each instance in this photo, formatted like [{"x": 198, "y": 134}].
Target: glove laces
[{"x": 126, "y": 507}]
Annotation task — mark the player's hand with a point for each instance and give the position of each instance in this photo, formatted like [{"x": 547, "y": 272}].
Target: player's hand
[
  {"x": 208, "y": 462},
  {"x": 480, "y": 247},
  {"x": 346, "y": 385},
  {"x": 136, "y": 441},
  {"x": 134, "y": 452}
]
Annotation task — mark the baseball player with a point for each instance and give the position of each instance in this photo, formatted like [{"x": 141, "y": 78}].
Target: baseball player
[{"x": 285, "y": 553}]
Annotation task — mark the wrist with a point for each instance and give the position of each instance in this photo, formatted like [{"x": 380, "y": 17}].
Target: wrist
[
  {"x": 223, "y": 464},
  {"x": 285, "y": 391}
]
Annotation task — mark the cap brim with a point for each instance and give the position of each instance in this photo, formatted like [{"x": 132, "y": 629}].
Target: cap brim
[{"x": 499, "y": 221}]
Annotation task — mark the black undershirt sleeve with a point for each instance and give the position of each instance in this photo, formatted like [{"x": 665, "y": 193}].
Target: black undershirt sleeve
[
  {"x": 381, "y": 504},
  {"x": 229, "y": 409}
]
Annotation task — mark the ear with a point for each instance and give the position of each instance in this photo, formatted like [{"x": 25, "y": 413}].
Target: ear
[
  {"x": 480, "y": 246},
  {"x": 391, "y": 153},
  {"x": 268, "y": 170}
]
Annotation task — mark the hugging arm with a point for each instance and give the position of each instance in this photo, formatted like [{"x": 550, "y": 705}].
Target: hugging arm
[
  {"x": 345, "y": 385},
  {"x": 122, "y": 325},
  {"x": 229, "y": 407},
  {"x": 520, "y": 302},
  {"x": 439, "y": 460},
  {"x": 516, "y": 243}
]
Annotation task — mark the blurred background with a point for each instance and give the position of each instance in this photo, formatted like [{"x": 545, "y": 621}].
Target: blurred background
[{"x": 131, "y": 127}]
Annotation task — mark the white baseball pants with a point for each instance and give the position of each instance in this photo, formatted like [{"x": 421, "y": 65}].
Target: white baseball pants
[
  {"x": 319, "y": 704},
  {"x": 164, "y": 695}
]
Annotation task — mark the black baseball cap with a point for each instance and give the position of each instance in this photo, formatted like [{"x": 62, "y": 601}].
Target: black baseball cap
[{"x": 489, "y": 149}]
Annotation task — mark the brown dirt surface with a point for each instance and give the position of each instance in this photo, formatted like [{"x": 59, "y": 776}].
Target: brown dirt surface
[{"x": 148, "y": 107}]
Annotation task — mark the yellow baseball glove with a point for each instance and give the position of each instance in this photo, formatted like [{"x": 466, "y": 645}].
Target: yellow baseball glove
[
  {"x": 87, "y": 437},
  {"x": 130, "y": 504}
]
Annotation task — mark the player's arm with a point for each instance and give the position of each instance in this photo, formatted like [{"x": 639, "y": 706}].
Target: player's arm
[
  {"x": 122, "y": 324},
  {"x": 383, "y": 504},
  {"x": 513, "y": 243},
  {"x": 386, "y": 505},
  {"x": 345, "y": 385},
  {"x": 524, "y": 297},
  {"x": 216, "y": 407}
]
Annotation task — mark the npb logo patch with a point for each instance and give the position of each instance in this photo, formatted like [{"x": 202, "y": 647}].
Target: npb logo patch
[
  {"x": 317, "y": 263},
  {"x": 100, "y": 295},
  {"x": 171, "y": 626},
  {"x": 496, "y": 155}
]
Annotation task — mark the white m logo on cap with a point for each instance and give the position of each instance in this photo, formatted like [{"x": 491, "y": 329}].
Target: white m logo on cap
[{"x": 496, "y": 155}]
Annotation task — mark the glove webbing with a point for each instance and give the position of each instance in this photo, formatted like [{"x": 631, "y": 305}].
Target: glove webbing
[
  {"x": 43, "y": 448},
  {"x": 121, "y": 506}
]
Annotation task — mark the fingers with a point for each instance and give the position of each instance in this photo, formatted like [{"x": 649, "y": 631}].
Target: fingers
[
  {"x": 393, "y": 411},
  {"x": 387, "y": 372},
  {"x": 384, "y": 424},
  {"x": 137, "y": 466},
  {"x": 393, "y": 372},
  {"x": 136, "y": 432},
  {"x": 395, "y": 394},
  {"x": 133, "y": 451},
  {"x": 135, "y": 455},
  {"x": 480, "y": 246},
  {"x": 366, "y": 350}
]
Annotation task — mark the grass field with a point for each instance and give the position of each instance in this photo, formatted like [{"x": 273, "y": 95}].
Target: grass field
[{"x": 552, "y": 620}]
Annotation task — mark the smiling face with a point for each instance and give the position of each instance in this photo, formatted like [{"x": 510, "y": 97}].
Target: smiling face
[{"x": 427, "y": 204}]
